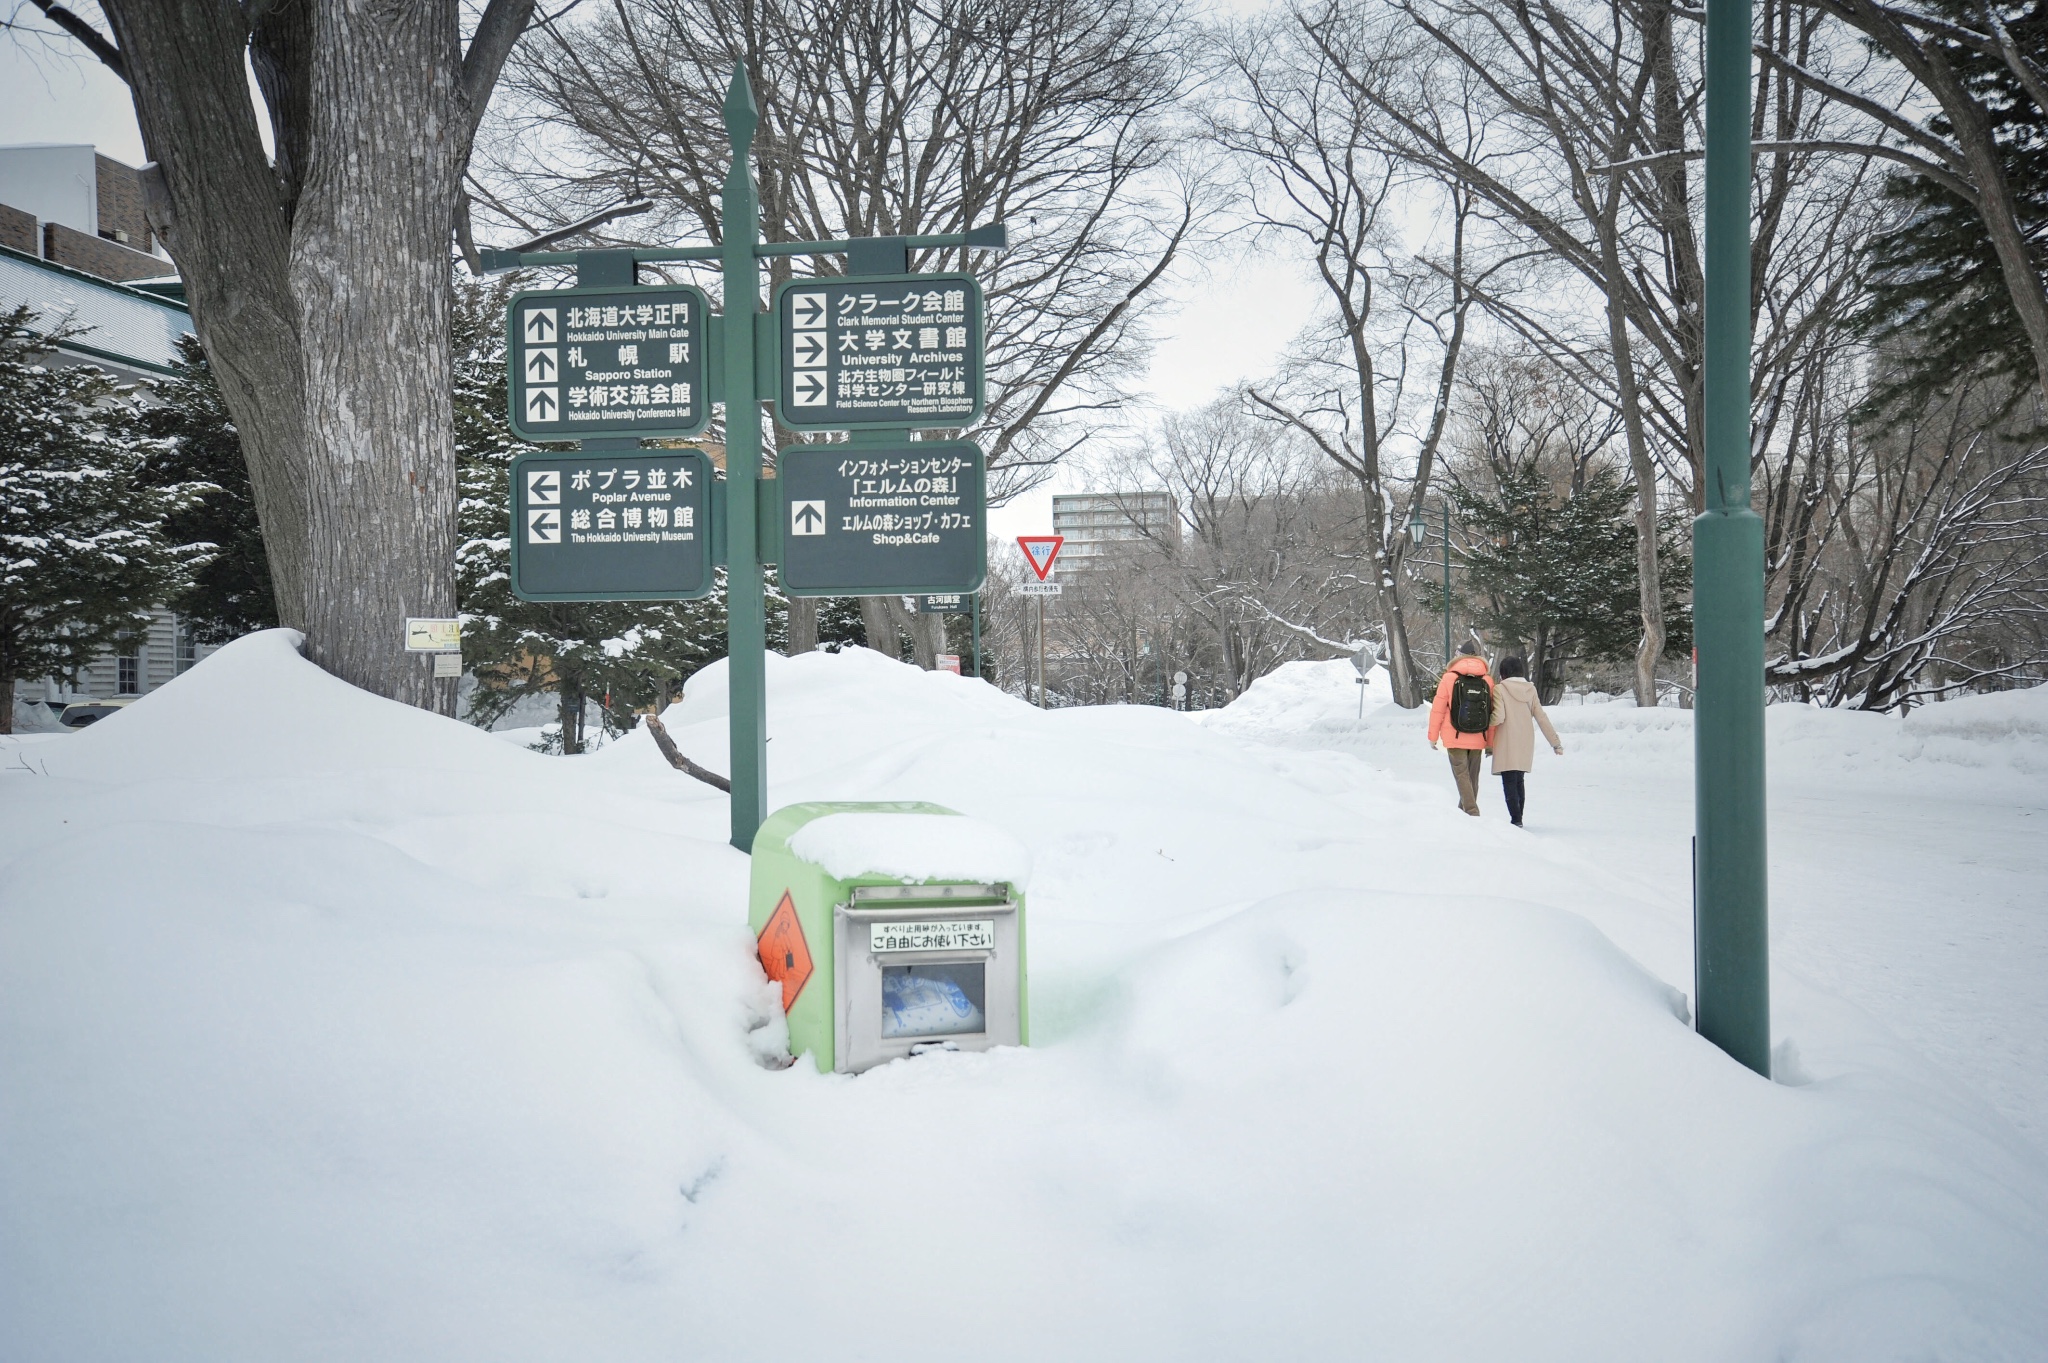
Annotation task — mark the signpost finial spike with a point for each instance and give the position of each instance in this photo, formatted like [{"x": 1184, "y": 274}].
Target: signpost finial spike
[{"x": 741, "y": 113}]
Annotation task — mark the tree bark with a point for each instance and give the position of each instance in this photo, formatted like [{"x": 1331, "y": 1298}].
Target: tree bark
[
  {"x": 569, "y": 710},
  {"x": 223, "y": 214},
  {"x": 803, "y": 625},
  {"x": 370, "y": 272},
  {"x": 319, "y": 284},
  {"x": 880, "y": 627},
  {"x": 676, "y": 759},
  {"x": 6, "y": 705}
]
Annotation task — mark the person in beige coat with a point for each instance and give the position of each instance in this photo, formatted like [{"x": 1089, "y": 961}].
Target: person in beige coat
[{"x": 1517, "y": 714}]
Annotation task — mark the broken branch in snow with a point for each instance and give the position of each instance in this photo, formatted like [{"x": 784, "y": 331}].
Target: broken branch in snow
[{"x": 677, "y": 760}]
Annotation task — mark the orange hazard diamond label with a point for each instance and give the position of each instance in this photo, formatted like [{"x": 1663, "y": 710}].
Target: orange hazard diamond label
[{"x": 785, "y": 955}]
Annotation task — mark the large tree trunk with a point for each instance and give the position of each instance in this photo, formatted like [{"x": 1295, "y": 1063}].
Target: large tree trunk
[
  {"x": 224, "y": 215},
  {"x": 922, "y": 651},
  {"x": 6, "y": 705},
  {"x": 803, "y": 625},
  {"x": 319, "y": 284},
  {"x": 880, "y": 627},
  {"x": 369, "y": 270}
]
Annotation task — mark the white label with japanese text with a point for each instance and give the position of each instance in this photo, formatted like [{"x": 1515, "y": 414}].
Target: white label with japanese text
[{"x": 954, "y": 934}]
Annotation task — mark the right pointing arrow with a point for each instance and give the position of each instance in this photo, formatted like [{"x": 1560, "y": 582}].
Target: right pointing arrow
[
  {"x": 808, "y": 349},
  {"x": 810, "y": 390},
  {"x": 808, "y": 309}
]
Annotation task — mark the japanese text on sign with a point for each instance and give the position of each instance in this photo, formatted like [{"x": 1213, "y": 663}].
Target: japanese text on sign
[
  {"x": 907, "y": 518},
  {"x": 625, "y": 362},
  {"x": 881, "y": 352},
  {"x": 940, "y": 935},
  {"x": 604, "y": 526}
]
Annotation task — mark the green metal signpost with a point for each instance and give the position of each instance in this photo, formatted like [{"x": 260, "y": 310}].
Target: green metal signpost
[
  {"x": 1732, "y": 949},
  {"x": 659, "y": 361}
]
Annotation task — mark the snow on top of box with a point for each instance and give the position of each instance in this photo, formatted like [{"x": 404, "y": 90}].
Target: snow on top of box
[{"x": 913, "y": 847}]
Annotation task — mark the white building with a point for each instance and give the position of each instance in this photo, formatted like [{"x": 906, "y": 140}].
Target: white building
[
  {"x": 71, "y": 232},
  {"x": 1093, "y": 522}
]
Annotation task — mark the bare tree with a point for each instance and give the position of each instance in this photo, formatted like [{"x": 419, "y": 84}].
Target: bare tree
[
  {"x": 1314, "y": 174},
  {"x": 1590, "y": 113},
  {"x": 1960, "y": 149},
  {"x": 900, "y": 118},
  {"x": 318, "y": 279}
]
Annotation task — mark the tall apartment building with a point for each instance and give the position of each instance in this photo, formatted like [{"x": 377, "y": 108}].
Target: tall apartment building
[{"x": 1094, "y": 522}]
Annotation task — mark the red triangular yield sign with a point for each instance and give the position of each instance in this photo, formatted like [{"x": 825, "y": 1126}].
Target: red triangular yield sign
[{"x": 1040, "y": 551}]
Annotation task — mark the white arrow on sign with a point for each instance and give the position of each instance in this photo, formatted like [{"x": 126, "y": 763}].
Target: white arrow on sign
[
  {"x": 542, "y": 404},
  {"x": 540, "y": 325},
  {"x": 544, "y": 487},
  {"x": 543, "y": 527},
  {"x": 810, "y": 390},
  {"x": 807, "y": 349},
  {"x": 541, "y": 365},
  {"x": 807, "y": 518},
  {"x": 808, "y": 309}
]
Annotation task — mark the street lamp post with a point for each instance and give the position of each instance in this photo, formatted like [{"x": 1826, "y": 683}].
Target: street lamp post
[
  {"x": 1732, "y": 993},
  {"x": 1418, "y": 531}
]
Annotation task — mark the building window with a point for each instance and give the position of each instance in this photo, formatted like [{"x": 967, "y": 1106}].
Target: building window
[
  {"x": 128, "y": 674},
  {"x": 188, "y": 648}
]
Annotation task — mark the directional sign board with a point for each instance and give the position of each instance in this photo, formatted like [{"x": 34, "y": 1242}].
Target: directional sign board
[
  {"x": 879, "y": 350},
  {"x": 882, "y": 520},
  {"x": 607, "y": 362},
  {"x": 628, "y": 525}
]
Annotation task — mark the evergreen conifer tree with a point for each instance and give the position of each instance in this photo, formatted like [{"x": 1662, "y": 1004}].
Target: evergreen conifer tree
[
  {"x": 1935, "y": 284},
  {"x": 1552, "y": 569},
  {"x": 185, "y": 434},
  {"x": 84, "y": 553},
  {"x": 625, "y": 655}
]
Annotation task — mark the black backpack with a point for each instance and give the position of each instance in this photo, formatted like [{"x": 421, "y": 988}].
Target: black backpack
[{"x": 1471, "y": 704}]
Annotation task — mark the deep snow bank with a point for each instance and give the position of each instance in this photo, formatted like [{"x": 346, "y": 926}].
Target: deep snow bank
[{"x": 355, "y": 1034}]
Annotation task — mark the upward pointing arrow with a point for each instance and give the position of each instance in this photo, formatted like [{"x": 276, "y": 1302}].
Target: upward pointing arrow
[
  {"x": 540, "y": 365},
  {"x": 807, "y": 518},
  {"x": 543, "y": 402},
  {"x": 540, "y": 325}
]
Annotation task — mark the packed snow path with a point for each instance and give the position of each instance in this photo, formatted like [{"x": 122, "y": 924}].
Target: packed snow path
[
  {"x": 1908, "y": 856},
  {"x": 332, "y": 1030}
]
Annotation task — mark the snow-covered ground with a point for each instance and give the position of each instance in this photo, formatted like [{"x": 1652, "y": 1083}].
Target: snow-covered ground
[{"x": 330, "y": 1029}]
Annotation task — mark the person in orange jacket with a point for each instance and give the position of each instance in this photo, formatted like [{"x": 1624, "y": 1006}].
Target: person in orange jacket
[{"x": 1464, "y": 745}]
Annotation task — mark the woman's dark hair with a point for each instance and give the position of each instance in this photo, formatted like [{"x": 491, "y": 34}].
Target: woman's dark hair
[{"x": 1513, "y": 667}]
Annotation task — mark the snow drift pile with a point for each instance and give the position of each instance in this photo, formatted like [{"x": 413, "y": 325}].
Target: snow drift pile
[{"x": 331, "y": 1029}]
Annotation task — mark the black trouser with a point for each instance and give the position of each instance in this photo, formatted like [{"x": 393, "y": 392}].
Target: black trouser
[{"x": 1511, "y": 788}]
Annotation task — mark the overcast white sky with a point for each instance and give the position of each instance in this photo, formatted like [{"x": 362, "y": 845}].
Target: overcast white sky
[{"x": 1230, "y": 315}]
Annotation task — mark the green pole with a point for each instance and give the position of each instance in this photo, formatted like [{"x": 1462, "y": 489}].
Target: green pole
[
  {"x": 746, "y": 593},
  {"x": 1731, "y": 982},
  {"x": 1447, "y": 584},
  {"x": 975, "y": 601}
]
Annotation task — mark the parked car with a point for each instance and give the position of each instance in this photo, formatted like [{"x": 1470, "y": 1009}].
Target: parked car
[{"x": 80, "y": 713}]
